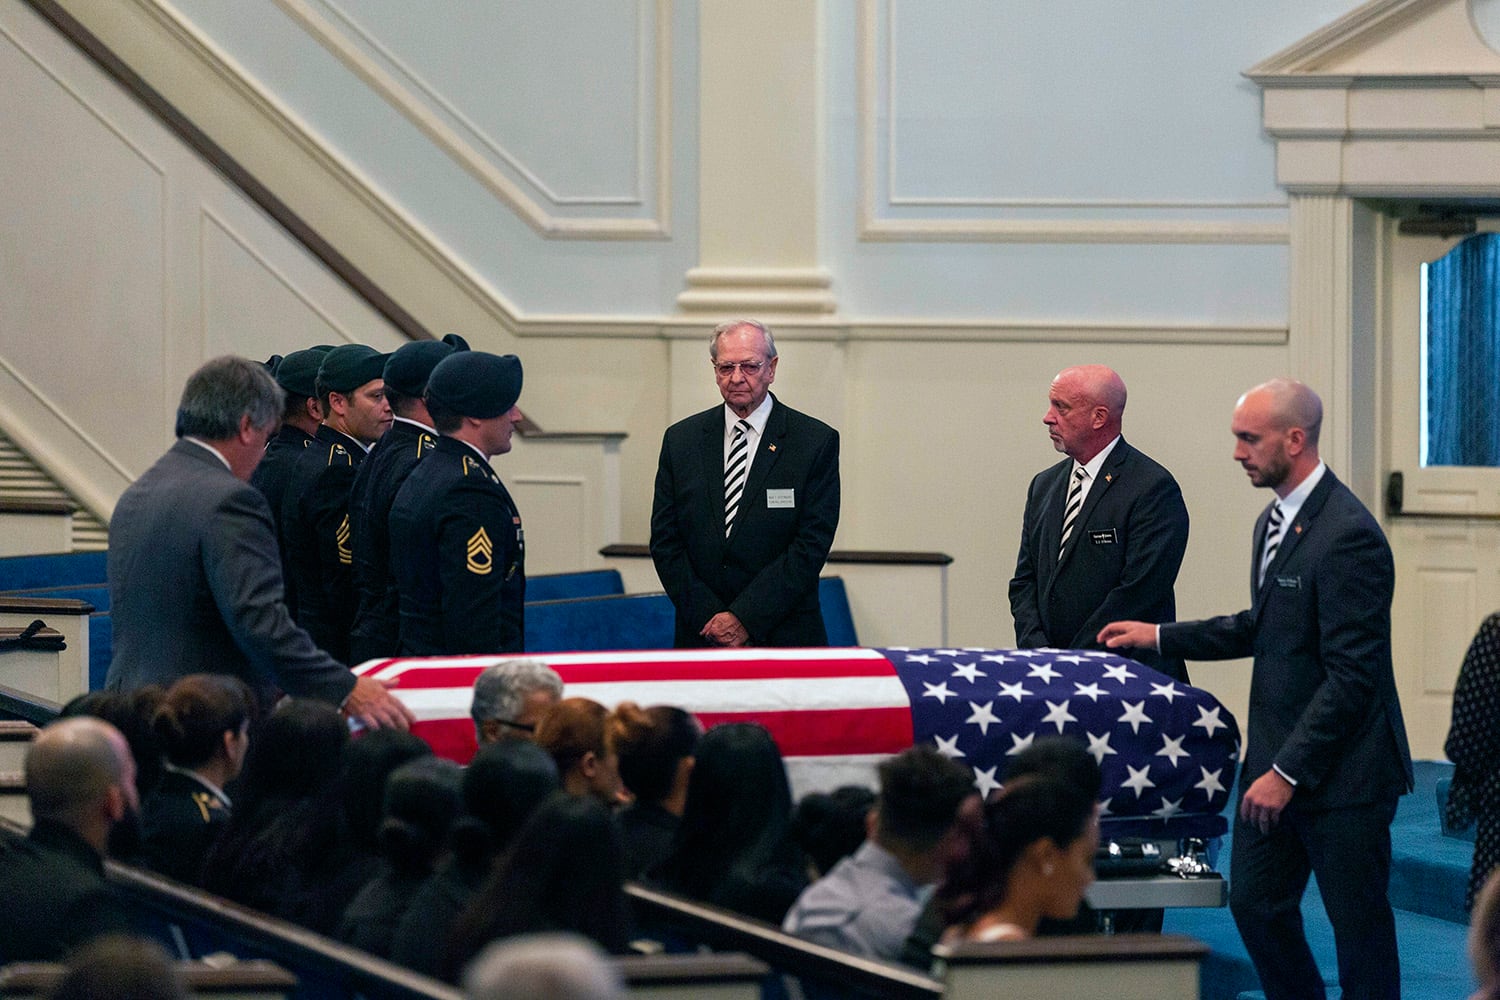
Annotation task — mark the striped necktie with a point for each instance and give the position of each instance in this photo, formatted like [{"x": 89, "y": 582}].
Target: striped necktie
[
  {"x": 735, "y": 468},
  {"x": 1070, "y": 514},
  {"x": 1273, "y": 539}
]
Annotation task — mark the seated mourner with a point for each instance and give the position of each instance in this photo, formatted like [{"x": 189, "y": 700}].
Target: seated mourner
[{"x": 870, "y": 901}]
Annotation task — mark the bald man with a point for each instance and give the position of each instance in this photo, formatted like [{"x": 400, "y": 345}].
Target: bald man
[
  {"x": 1104, "y": 530},
  {"x": 80, "y": 779},
  {"x": 1326, "y": 756}
]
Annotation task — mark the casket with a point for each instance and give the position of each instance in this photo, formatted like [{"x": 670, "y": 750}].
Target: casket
[{"x": 1168, "y": 751}]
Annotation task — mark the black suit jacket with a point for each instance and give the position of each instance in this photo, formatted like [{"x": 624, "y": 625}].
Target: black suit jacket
[
  {"x": 1121, "y": 561},
  {"x": 56, "y": 895},
  {"x": 1323, "y": 705},
  {"x": 766, "y": 572},
  {"x": 195, "y": 585}
]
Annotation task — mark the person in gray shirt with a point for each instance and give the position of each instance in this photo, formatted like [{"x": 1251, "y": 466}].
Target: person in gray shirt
[{"x": 870, "y": 901}]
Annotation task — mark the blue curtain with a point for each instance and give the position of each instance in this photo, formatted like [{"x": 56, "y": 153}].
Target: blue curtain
[{"x": 1463, "y": 354}]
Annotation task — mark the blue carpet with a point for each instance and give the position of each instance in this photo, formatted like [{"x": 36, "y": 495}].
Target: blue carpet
[{"x": 1428, "y": 876}]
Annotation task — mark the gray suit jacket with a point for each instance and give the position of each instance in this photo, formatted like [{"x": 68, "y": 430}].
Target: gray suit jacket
[{"x": 195, "y": 585}]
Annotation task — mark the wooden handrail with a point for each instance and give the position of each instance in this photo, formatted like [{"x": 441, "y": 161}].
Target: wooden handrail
[
  {"x": 38, "y": 978},
  {"x": 35, "y": 710},
  {"x": 1084, "y": 948},
  {"x": 720, "y": 928},
  {"x": 624, "y": 550},
  {"x": 43, "y": 605}
]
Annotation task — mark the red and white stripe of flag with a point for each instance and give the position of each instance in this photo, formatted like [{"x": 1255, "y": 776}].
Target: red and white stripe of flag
[{"x": 833, "y": 712}]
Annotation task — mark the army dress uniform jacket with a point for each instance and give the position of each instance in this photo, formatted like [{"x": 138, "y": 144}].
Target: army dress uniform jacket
[
  {"x": 180, "y": 820},
  {"x": 377, "y": 617},
  {"x": 271, "y": 477},
  {"x": 458, "y": 557},
  {"x": 315, "y": 530}
]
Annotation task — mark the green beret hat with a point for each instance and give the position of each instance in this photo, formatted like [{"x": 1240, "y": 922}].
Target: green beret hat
[
  {"x": 349, "y": 366},
  {"x": 298, "y": 372},
  {"x": 476, "y": 384},
  {"x": 409, "y": 367}
]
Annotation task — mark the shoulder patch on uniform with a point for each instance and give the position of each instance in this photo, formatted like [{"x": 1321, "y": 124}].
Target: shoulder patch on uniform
[
  {"x": 338, "y": 453},
  {"x": 481, "y": 553},
  {"x": 341, "y": 536},
  {"x": 425, "y": 443}
]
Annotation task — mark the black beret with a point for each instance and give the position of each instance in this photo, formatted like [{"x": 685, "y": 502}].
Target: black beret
[
  {"x": 298, "y": 372},
  {"x": 349, "y": 366},
  {"x": 411, "y": 364},
  {"x": 476, "y": 384}
]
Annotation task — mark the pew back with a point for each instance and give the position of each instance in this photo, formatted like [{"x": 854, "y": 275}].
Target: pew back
[
  {"x": 1121, "y": 967},
  {"x": 58, "y": 569},
  {"x": 236, "y": 981}
]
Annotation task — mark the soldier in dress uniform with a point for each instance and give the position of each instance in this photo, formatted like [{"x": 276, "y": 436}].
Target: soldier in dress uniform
[
  {"x": 315, "y": 510},
  {"x": 457, "y": 548},
  {"x": 377, "y": 617},
  {"x": 297, "y": 374}
]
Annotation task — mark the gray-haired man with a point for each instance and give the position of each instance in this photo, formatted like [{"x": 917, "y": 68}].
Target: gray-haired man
[{"x": 510, "y": 698}]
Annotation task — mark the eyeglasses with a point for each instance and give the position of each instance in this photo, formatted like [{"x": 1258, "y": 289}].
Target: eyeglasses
[{"x": 749, "y": 369}]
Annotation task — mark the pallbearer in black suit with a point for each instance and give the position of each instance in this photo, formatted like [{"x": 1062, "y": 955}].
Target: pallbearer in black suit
[
  {"x": 747, "y": 502},
  {"x": 1326, "y": 757},
  {"x": 377, "y": 618},
  {"x": 315, "y": 511},
  {"x": 297, "y": 374},
  {"x": 1104, "y": 531},
  {"x": 457, "y": 548}
]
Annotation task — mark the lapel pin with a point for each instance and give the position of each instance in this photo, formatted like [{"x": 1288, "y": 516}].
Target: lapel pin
[
  {"x": 1109, "y": 477},
  {"x": 1297, "y": 528},
  {"x": 770, "y": 447}
]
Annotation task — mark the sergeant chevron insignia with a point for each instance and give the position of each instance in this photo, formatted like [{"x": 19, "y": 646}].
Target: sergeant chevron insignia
[
  {"x": 481, "y": 553},
  {"x": 341, "y": 536}
]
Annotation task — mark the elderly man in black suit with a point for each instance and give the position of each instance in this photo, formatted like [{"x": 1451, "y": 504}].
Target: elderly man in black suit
[
  {"x": 1104, "y": 530},
  {"x": 80, "y": 780},
  {"x": 194, "y": 575},
  {"x": 1327, "y": 756},
  {"x": 747, "y": 502}
]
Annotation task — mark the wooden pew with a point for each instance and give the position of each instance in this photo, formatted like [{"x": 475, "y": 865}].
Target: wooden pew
[
  {"x": 1088, "y": 967},
  {"x": 236, "y": 981},
  {"x": 823, "y": 971},
  {"x": 56, "y": 675},
  {"x": 564, "y": 586},
  {"x": 55, "y": 569},
  {"x": 205, "y": 924}
]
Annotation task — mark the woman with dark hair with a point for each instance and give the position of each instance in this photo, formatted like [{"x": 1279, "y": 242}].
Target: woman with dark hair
[
  {"x": 734, "y": 847},
  {"x": 289, "y": 770},
  {"x": 1032, "y": 858},
  {"x": 340, "y": 851},
  {"x": 564, "y": 872},
  {"x": 502, "y": 787},
  {"x": 655, "y": 749},
  {"x": 203, "y": 727},
  {"x": 421, "y": 802},
  {"x": 572, "y": 731}
]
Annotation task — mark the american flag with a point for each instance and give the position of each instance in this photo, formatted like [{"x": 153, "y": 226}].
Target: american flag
[{"x": 1168, "y": 751}]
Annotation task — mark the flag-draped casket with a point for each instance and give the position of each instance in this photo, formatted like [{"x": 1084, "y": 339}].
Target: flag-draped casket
[{"x": 1168, "y": 751}]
